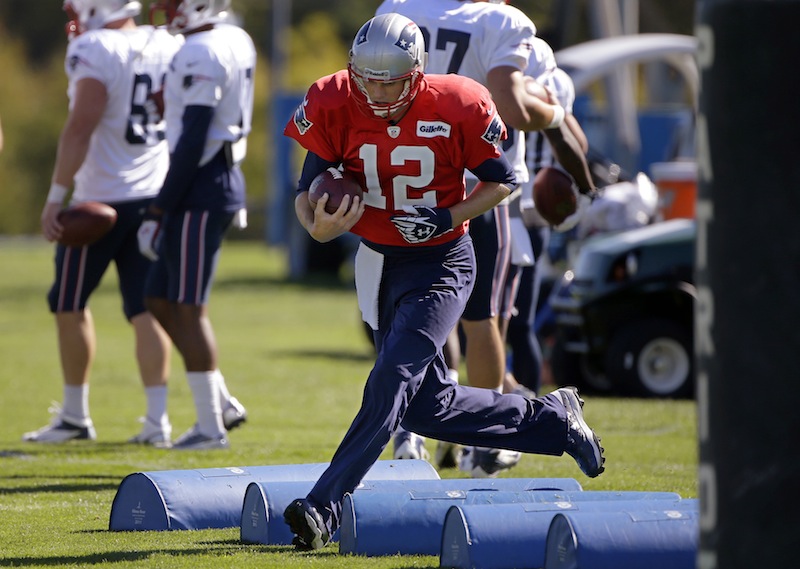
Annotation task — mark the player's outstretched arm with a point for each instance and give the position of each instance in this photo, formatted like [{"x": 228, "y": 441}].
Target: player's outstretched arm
[
  {"x": 518, "y": 108},
  {"x": 570, "y": 153}
]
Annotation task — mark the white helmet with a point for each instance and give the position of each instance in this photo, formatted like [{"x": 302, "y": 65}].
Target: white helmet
[
  {"x": 94, "y": 14},
  {"x": 186, "y": 15},
  {"x": 388, "y": 48}
]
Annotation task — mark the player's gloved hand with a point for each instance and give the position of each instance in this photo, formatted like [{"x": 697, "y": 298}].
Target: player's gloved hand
[
  {"x": 149, "y": 236},
  {"x": 423, "y": 223}
]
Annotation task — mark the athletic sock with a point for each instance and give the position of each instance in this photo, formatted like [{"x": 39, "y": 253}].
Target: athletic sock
[
  {"x": 224, "y": 394},
  {"x": 76, "y": 404},
  {"x": 157, "y": 404},
  {"x": 205, "y": 392}
]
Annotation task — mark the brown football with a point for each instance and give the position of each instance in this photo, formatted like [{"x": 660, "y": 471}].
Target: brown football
[
  {"x": 86, "y": 222},
  {"x": 553, "y": 195},
  {"x": 336, "y": 184}
]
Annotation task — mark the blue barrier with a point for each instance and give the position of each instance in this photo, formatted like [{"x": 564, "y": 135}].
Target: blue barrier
[
  {"x": 410, "y": 522},
  {"x": 610, "y": 540},
  {"x": 212, "y": 497},
  {"x": 264, "y": 502},
  {"x": 506, "y": 536}
]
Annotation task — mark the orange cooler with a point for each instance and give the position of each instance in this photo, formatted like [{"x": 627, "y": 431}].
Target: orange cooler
[{"x": 677, "y": 188}]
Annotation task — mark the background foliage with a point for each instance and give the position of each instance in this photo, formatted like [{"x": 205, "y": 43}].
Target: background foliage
[{"x": 33, "y": 91}]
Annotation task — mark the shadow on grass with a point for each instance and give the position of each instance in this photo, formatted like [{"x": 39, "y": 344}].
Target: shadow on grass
[
  {"x": 81, "y": 483},
  {"x": 332, "y": 354},
  {"x": 222, "y": 548}
]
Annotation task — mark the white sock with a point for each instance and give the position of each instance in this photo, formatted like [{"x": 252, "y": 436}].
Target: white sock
[
  {"x": 76, "y": 404},
  {"x": 157, "y": 404},
  {"x": 206, "y": 401},
  {"x": 224, "y": 394}
]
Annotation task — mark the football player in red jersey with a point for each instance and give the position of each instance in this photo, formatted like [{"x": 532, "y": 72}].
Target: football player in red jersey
[{"x": 409, "y": 138}]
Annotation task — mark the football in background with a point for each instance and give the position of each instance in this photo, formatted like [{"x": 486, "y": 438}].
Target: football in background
[
  {"x": 553, "y": 195},
  {"x": 336, "y": 184},
  {"x": 85, "y": 222}
]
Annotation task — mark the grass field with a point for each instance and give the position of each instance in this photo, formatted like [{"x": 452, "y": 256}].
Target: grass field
[{"x": 295, "y": 355}]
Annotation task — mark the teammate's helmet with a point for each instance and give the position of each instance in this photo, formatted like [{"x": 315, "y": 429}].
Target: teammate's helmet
[
  {"x": 187, "y": 15},
  {"x": 387, "y": 48},
  {"x": 94, "y": 14}
]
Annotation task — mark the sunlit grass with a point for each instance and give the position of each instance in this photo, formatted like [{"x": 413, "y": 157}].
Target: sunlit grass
[{"x": 296, "y": 355}]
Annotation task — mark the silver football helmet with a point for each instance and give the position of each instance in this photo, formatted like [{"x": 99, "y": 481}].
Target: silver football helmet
[
  {"x": 187, "y": 15},
  {"x": 387, "y": 48},
  {"x": 94, "y": 14}
]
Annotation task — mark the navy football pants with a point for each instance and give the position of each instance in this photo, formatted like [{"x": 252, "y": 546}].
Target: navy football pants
[{"x": 419, "y": 294}]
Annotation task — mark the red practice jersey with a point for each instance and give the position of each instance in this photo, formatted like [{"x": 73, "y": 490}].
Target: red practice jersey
[{"x": 451, "y": 125}]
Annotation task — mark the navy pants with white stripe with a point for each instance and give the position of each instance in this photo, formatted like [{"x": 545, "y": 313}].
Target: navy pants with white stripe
[{"x": 412, "y": 298}]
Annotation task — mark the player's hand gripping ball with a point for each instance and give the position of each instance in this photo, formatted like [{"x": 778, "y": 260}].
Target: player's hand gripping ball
[
  {"x": 85, "y": 222},
  {"x": 554, "y": 196},
  {"x": 336, "y": 184}
]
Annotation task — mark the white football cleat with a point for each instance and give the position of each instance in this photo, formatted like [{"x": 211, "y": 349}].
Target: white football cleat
[
  {"x": 61, "y": 429},
  {"x": 234, "y": 414},
  {"x": 156, "y": 434},
  {"x": 409, "y": 446},
  {"x": 193, "y": 439},
  {"x": 482, "y": 462}
]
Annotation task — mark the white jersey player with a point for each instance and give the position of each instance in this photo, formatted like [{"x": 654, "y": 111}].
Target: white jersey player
[
  {"x": 531, "y": 238},
  {"x": 208, "y": 98},
  {"x": 113, "y": 150}
]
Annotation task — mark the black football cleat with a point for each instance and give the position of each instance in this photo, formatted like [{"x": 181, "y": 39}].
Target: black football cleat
[
  {"x": 307, "y": 525},
  {"x": 582, "y": 443}
]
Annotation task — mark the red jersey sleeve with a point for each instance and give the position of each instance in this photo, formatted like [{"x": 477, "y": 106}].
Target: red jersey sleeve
[
  {"x": 314, "y": 123},
  {"x": 483, "y": 129}
]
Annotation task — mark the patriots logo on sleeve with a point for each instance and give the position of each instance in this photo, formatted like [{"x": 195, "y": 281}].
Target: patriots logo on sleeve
[
  {"x": 76, "y": 60},
  {"x": 300, "y": 120},
  {"x": 494, "y": 131}
]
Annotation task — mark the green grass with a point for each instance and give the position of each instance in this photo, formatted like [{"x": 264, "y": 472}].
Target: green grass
[{"x": 296, "y": 355}]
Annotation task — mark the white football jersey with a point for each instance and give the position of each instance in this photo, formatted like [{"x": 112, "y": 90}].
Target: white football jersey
[
  {"x": 215, "y": 69},
  {"x": 127, "y": 157},
  {"x": 470, "y": 39}
]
